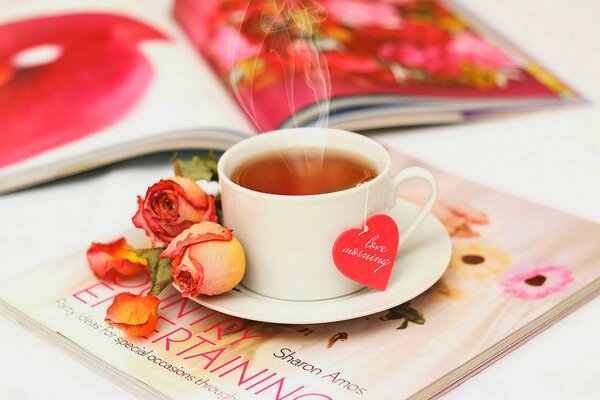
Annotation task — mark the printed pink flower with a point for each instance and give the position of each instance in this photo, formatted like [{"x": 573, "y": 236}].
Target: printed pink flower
[
  {"x": 424, "y": 34},
  {"x": 432, "y": 59},
  {"x": 538, "y": 282},
  {"x": 349, "y": 63},
  {"x": 458, "y": 218},
  {"x": 364, "y": 14},
  {"x": 470, "y": 48},
  {"x": 228, "y": 47}
]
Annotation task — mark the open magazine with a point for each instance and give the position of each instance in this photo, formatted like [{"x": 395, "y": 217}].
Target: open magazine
[
  {"x": 507, "y": 280},
  {"x": 89, "y": 82}
]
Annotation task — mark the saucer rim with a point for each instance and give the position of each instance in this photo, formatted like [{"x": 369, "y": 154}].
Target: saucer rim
[{"x": 207, "y": 301}]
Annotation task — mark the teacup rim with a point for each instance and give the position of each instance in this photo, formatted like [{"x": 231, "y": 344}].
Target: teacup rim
[{"x": 310, "y": 197}]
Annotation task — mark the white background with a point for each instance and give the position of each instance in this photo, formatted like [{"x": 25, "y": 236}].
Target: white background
[{"x": 551, "y": 157}]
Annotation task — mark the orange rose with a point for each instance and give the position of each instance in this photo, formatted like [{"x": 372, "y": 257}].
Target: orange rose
[
  {"x": 136, "y": 315},
  {"x": 105, "y": 257},
  {"x": 207, "y": 259},
  {"x": 170, "y": 207}
]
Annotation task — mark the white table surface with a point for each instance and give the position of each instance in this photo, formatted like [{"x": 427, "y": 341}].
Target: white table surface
[{"x": 551, "y": 157}]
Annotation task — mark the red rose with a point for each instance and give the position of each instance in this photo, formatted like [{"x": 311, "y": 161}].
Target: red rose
[
  {"x": 105, "y": 257},
  {"x": 170, "y": 207},
  {"x": 135, "y": 314},
  {"x": 207, "y": 259}
]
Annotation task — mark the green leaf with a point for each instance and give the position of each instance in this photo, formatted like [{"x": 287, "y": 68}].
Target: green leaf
[
  {"x": 162, "y": 277},
  {"x": 404, "y": 325},
  {"x": 419, "y": 319},
  {"x": 160, "y": 269},
  {"x": 412, "y": 314},
  {"x": 405, "y": 311},
  {"x": 199, "y": 167}
]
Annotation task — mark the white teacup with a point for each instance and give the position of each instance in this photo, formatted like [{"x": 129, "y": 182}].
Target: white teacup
[{"x": 289, "y": 239}]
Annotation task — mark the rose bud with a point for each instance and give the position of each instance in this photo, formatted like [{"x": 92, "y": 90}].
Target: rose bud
[
  {"x": 136, "y": 315},
  {"x": 170, "y": 207},
  {"x": 207, "y": 259},
  {"x": 117, "y": 255}
]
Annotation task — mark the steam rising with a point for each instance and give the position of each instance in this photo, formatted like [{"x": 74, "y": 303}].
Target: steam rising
[{"x": 290, "y": 31}]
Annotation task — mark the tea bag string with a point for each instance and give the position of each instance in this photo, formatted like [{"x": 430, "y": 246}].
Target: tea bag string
[{"x": 365, "y": 227}]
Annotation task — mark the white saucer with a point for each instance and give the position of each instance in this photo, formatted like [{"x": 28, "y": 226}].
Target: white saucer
[{"x": 421, "y": 262}]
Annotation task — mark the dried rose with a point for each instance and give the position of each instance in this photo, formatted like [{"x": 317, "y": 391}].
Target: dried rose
[
  {"x": 136, "y": 315},
  {"x": 170, "y": 207},
  {"x": 207, "y": 259},
  {"x": 117, "y": 255}
]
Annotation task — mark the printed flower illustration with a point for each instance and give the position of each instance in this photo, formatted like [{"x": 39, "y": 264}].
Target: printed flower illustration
[
  {"x": 135, "y": 314},
  {"x": 114, "y": 256},
  {"x": 425, "y": 46},
  {"x": 406, "y": 42},
  {"x": 468, "y": 47},
  {"x": 457, "y": 218},
  {"x": 460, "y": 218},
  {"x": 443, "y": 291},
  {"x": 229, "y": 47},
  {"x": 355, "y": 47},
  {"x": 171, "y": 206},
  {"x": 478, "y": 261},
  {"x": 538, "y": 282},
  {"x": 364, "y": 14}
]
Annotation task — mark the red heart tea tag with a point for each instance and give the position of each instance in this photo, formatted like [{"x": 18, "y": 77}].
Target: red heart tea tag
[{"x": 367, "y": 255}]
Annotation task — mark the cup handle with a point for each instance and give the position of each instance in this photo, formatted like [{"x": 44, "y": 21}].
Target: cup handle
[{"x": 414, "y": 172}]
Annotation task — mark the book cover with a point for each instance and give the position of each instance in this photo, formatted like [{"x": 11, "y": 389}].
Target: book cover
[
  {"x": 286, "y": 62},
  {"x": 84, "y": 81},
  {"x": 516, "y": 267},
  {"x": 357, "y": 65}
]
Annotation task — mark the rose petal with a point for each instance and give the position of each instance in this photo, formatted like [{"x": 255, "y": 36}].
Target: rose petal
[
  {"x": 189, "y": 277},
  {"x": 117, "y": 255},
  {"x": 191, "y": 191},
  {"x": 203, "y": 232},
  {"x": 223, "y": 264},
  {"x": 211, "y": 211},
  {"x": 135, "y": 314}
]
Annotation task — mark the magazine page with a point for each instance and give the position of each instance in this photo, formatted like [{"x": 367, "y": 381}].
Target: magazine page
[
  {"x": 516, "y": 267},
  {"x": 286, "y": 61},
  {"x": 82, "y": 76}
]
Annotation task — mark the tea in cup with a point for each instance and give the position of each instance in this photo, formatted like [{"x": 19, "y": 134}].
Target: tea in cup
[{"x": 289, "y": 194}]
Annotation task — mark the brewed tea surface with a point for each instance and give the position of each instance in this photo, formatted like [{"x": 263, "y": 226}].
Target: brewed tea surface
[{"x": 303, "y": 172}]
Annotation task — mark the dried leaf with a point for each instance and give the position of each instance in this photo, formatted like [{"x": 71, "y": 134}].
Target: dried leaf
[
  {"x": 160, "y": 269},
  {"x": 407, "y": 313},
  {"x": 199, "y": 167},
  {"x": 343, "y": 336}
]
